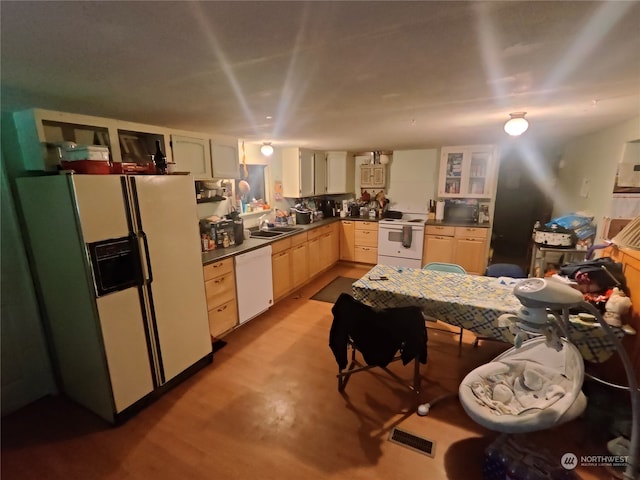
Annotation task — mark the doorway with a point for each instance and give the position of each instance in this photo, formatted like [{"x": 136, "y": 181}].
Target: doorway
[{"x": 522, "y": 198}]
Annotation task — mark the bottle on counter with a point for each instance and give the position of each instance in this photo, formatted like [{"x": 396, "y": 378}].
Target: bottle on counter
[{"x": 160, "y": 160}]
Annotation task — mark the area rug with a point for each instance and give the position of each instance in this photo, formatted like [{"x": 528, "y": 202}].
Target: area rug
[{"x": 330, "y": 292}]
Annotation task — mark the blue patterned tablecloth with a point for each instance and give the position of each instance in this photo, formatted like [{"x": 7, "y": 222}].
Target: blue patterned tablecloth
[{"x": 469, "y": 301}]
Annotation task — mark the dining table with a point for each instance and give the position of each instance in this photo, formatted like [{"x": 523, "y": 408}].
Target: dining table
[{"x": 472, "y": 302}]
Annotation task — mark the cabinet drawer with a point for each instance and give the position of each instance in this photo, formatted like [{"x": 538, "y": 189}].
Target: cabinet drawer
[
  {"x": 317, "y": 232},
  {"x": 220, "y": 289},
  {"x": 218, "y": 268},
  {"x": 366, "y": 238},
  {"x": 223, "y": 318},
  {"x": 280, "y": 245},
  {"x": 366, "y": 254},
  {"x": 371, "y": 226},
  {"x": 298, "y": 239},
  {"x": 439, "y": 230},
  {"x": 471, "y": 232}
]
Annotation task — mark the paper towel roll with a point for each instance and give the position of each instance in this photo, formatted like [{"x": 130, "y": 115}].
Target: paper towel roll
[{"x": 440, "y": 211}]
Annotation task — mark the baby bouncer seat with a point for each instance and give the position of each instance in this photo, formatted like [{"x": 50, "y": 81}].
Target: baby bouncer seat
[{"x": 526, "y": 389}]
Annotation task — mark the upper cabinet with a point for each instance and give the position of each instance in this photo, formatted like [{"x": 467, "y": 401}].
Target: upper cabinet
[
  {"x": 225, "y": 161},
  {"x": 138, "y": 142},
  {"x": 340, "y": 168},
  {"x": 373, "y": 176},
  {"x": 297, "y": 173},
  {"x": 191, "y": 154},
  {"x": 467, "y": 172},
  {"x": 35, "y": 146},
  {"x": 334, "y": 173},
  {"x": 39, "y": 134},
  {"x": 320, "y": 174}
]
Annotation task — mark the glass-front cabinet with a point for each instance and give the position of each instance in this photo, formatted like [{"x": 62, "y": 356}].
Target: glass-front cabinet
[{"x": 467, "y": 171}]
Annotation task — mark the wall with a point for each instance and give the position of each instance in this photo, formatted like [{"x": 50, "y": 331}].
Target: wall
[
  {"x": 26, "y": 370},
  {"x": 412, "y": 180},
  {"x": 593, "y": 158}
]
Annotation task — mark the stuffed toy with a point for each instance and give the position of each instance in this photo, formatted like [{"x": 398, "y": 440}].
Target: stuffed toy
[{"x": 617, "y": 306}]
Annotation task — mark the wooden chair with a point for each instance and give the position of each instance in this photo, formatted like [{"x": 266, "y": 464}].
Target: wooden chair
[{"x": 452, "y": 268}]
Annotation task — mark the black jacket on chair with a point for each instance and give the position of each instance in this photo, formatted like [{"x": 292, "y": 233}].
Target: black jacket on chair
[{"x": 378, "y": 335}]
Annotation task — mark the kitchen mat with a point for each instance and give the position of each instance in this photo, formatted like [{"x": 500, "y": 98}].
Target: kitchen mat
[{"x": 330, "y": 292}]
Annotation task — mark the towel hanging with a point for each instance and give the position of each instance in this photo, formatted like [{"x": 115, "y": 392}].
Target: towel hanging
[{"x": 406, "y": 236}]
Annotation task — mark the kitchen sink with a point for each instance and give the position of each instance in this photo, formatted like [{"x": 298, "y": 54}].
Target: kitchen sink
[
  {"x": 266, "y": 234},
  {"x": 285, "y": 229}
]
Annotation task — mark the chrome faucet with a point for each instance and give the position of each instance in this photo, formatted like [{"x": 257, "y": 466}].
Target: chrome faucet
[{"x": 263, "y": 222}]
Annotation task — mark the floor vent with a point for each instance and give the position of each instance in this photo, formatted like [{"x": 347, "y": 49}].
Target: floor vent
[{"x": 412, "y": 441}]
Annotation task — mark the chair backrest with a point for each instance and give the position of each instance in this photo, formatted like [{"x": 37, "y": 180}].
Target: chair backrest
[
  {"x": 444, "y": 267},
  {"x": 505, "y": 270}
]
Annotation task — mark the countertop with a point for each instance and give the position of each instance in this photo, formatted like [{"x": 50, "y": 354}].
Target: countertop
[
  {"x": 250, "y": 244},
  {"x": 442, "y": 223}
]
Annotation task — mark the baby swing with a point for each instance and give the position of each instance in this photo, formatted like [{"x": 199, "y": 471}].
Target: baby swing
[{"x": 537, "y": 384}]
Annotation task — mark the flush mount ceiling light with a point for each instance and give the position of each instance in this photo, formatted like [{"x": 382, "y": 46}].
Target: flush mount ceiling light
[
  {"x": 517, "y": 124},
  {"x": 266, "y": 149}
]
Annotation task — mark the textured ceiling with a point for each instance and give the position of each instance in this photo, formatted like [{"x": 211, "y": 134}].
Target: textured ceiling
[{"x": 333, "y": 75}]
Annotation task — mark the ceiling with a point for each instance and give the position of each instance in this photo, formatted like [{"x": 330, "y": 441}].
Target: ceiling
[{"x": 353, "y": 76}]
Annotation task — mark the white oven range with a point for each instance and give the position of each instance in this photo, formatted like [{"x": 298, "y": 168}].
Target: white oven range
[{"x": 400, "y": 242}]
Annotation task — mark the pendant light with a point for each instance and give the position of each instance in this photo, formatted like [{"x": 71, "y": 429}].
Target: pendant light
[
  {"x": 517, "y": 124},
  {"x": 266, "y": 149}
]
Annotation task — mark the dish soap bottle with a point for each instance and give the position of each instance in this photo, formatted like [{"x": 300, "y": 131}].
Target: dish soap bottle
[{"x": 160, "y": 160}]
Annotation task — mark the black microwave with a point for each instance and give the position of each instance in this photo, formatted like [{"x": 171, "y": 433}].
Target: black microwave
[{"x": 460, "y": 212}]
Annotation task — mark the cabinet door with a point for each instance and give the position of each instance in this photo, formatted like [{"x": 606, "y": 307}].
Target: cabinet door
[
  {"x": 347, "y": 240},
  {"x": 467, "y": 172},
  {"x": 340, "y": 172},
  {"x": 297, "y": 173},
  {"x": 191, "y": 154},
  {"x": 379, "y": 176},
  {"x": 281, "y": 273},
  {"x": 299, "y": 264},
  {"x": 366, "y": 176},
  {"x": 334, "y": 234},
  {"x": 224, "y": 160},
  {"x": 437, "y": 248},
  {"x": 470, "y": 254},
  {"x": 315, "y": 260},
  {"x": 320, "y": 173},
  {"x": 306, "y": 173},
  {"x": 480, "y": 178}
]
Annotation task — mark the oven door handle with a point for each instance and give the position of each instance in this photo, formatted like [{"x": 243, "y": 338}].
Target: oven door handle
[{"x": 149, "y": 273}]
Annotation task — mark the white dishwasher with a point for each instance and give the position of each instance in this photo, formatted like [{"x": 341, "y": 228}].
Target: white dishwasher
[{"x": 254, "y": 283}]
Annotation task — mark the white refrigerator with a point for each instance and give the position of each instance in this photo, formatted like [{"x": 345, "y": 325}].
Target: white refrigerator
[{"x": 116, "y": 262}]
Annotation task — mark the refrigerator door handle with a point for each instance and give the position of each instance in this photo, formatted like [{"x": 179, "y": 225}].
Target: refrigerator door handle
[{"x": 149, "y": 273}]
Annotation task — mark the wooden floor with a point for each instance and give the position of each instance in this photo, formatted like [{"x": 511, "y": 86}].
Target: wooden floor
[{"x": 268, "y": 408}]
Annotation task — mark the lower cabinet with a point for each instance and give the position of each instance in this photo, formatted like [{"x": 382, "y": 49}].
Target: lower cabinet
[
  {"x": 220, "y": 287},
  {"x": 438, "y": 244},
  {"x": 465, "y": 246},
  {"x": 470, "y": 249},
  {"x": 281, "y": 268},
  {"x": 366, "y": 242},
  {"x": 299, "y": 260},
  {"x": 289, "y": 264},
  {"x": 347, "y": 240},
  {"x": 324, "y": 248}
]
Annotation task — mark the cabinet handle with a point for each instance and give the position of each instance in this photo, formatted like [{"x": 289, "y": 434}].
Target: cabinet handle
[
  {"x": 218, "y": 265},
  {"x": 283, "y": 253},
  {"x": 220, "y": 280},
  {"x": 222, "y": 309}
]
